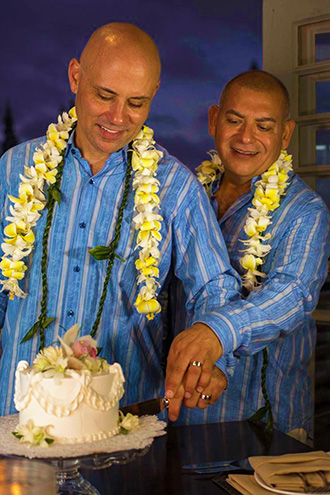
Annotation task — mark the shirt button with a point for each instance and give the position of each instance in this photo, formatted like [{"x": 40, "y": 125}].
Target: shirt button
[
  {"x": 76, "y": 268},
  {"x": 70, "y": 313},
  {"x": 82, "y": 225},
  {"x": 73, "y": 152},
  {"x": 91, "y": 181}
]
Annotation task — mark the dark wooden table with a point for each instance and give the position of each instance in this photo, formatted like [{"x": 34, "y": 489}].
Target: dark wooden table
[{"x": 159, "y": 471}]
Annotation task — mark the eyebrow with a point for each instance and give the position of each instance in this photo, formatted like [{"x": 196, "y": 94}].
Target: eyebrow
[
  {"x": 261, "y": 119},
  {"x": 110, "y": 91}
]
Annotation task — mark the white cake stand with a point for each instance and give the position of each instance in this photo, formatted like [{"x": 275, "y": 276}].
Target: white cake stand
[{"x": 68, "y": 459}]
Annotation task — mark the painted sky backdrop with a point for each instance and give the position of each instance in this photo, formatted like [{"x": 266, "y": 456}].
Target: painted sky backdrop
[{"x": 202, "y": 43}]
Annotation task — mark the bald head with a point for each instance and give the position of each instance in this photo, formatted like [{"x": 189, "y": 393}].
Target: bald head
[
  {"x": 260, "y": 81},
  {"x": 125, "y": 40}
]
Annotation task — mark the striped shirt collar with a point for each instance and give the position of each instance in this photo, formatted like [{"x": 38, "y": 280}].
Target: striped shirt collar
[{"x": 115, "y": 159}]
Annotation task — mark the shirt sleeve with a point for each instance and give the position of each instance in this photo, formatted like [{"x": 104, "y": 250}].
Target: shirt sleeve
[
  {"x": 290, "y": 292},
  {"x": 202, "y": 264}
]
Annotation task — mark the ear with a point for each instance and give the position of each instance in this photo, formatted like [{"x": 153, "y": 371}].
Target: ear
[
  {"x": 213, "y": 118},
  {"x": 156, "y": 89},
  {"x": 289, "y": 126},
  {"x": 73, "y": 73}
]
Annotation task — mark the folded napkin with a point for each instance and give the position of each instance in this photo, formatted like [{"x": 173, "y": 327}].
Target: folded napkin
[
  {"x": 281, "y": 472},
  {"x": 246, "y": 484}
]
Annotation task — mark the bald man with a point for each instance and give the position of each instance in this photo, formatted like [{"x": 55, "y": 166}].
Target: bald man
[
  {"x": 114, "y": 82},
  {"x": 251, "y": 125}
]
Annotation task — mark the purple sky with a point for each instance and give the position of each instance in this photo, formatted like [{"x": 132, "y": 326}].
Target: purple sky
[{"x": 203, "y": 43}]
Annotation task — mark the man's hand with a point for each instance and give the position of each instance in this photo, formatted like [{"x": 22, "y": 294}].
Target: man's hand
[
  {"x": 217, "y": 384},
  {"x": 198, "y": 344}
]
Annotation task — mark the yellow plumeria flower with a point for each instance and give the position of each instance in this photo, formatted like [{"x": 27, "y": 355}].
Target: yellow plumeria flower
[
  {"x": 140, "y": 264},
  {"x": 13, "y": 269},
  {"x": 147, "y": 307}
]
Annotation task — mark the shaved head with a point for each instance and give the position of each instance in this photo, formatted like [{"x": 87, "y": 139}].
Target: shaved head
[
  {"x": 122, "y": 39},
  {"x": 262, "y": 81}
]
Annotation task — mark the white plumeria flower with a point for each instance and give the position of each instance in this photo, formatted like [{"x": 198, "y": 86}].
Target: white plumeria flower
[
  {"x": 15, "y": 252},
  {"x": 143, "y": 217},
  {"x": 208, "y": 171},
  {"x": 12, "y": 286}
]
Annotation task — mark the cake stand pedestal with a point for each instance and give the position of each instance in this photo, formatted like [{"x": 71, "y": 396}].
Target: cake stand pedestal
[
  {"x": 69, "y": 479},
  {"x": 71, "y": 482}
]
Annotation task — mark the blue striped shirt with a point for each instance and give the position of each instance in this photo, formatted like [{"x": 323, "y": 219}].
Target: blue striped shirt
[
  {"x": 277, "y": 316},
  {"x": 192, "y": 248}
]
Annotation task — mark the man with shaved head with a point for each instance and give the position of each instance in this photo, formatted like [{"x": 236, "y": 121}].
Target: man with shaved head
[
  {"x": 86, "y": 265},
  {"x": 277, "y": 233}
]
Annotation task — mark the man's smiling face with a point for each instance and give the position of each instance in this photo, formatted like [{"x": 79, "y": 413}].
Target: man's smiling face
[
  {"x": 249, "y": 130},
  {"x": 113, "y": 99}
]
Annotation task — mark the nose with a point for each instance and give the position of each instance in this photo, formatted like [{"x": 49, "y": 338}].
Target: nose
[
  {"x": 116, "y": 114},
  {"x": 247, "y": 133}
]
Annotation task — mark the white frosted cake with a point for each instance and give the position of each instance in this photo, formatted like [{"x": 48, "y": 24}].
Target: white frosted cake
[{"x": 74, "y": 394}]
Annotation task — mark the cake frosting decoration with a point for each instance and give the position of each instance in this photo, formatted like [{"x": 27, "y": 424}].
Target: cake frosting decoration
[{"x": 70, "y": 394}]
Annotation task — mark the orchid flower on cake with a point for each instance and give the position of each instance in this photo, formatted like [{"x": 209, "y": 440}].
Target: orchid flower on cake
[{"x": 74, "y": 354}]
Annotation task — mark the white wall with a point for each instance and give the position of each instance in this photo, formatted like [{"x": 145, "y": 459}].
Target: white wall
[{"x": 279, "y": 17}]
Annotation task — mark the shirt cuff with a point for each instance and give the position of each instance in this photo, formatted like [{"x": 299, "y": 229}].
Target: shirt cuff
[{"x": 225, "y": 327}]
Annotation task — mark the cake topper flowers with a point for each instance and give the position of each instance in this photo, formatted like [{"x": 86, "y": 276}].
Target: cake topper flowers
[{"x": 75, "y": 353}]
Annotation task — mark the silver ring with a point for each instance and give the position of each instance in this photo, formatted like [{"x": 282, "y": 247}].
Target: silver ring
[
  {"x": 206, "y": 397},
  {"x": 196, "y": 363}
]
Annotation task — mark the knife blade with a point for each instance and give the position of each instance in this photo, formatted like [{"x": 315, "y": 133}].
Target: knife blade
[{"x": 151, "y": 406}]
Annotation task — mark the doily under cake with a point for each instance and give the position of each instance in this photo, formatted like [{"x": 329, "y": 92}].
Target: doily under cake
[{"x": 150, "y": 427}]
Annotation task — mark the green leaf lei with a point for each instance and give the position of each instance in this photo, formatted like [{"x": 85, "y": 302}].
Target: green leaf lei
[{"x": 99, "y": 252}]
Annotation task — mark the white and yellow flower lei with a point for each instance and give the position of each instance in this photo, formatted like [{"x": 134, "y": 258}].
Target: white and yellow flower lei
[
  {"x": 20, "y": 238},
  {"x": 268, "y": 191},
  {"x": 147, "y": 220}
]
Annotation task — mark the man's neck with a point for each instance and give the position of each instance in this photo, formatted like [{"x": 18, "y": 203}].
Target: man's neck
[
  {"x": 96, "y": 165},
  {"x": 96, "y": 160},
  {"x": 228, "y": 192}
]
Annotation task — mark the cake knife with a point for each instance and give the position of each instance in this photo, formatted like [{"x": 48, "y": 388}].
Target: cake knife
[{"x": 151, "y": 406}]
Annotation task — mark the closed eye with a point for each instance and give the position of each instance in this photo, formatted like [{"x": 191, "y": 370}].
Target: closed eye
[
  {"x": 264, "y": 128},
  {"x": 105, "y": 98},
  {"x": 135, "y": 104},
  {"x": 233, "y": 121}
]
